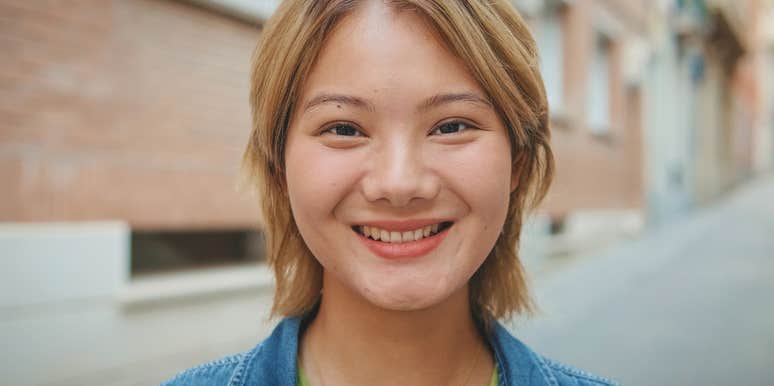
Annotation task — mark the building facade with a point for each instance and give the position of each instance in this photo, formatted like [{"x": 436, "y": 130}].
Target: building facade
[
  {"x": 122, "y": 126},
  {"x": 593, "y": 76},
  {"x": 707, "y": 101},
  {"x": 131, "y": 110}
]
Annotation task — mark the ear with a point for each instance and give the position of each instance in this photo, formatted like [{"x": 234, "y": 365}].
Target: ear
[{"x": 516, "y": 169}]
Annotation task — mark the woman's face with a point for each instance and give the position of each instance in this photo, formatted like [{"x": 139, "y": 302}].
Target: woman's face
[{"x": 398, "y": 168}]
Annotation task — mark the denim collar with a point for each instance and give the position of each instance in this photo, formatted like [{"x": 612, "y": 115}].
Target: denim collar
[{"x": 274, "y": 361}]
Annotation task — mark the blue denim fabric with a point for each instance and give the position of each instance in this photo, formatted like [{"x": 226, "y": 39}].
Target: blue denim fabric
[{"x": 273, "y": 363}]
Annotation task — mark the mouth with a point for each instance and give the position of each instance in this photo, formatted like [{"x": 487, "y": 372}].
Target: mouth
[{"x": 400, "y": 237}]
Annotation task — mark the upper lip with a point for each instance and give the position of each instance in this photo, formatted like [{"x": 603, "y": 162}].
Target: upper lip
[{"x": 403, "y": 225}]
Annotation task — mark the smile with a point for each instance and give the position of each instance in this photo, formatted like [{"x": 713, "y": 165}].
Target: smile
[{"x": 397, "y": 237}]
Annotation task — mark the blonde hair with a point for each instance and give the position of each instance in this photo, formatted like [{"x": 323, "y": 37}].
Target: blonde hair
[{"x": 496, "y": 46}]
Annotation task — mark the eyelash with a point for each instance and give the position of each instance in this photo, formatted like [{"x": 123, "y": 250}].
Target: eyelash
[
  {"x": 332, "y": 129},
  {"x": 435, "y": 131}
]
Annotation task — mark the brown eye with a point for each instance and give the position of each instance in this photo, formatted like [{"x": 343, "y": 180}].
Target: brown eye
[
  {"x": 452, "y": 127},
  {"x": 343, "y": 129}
]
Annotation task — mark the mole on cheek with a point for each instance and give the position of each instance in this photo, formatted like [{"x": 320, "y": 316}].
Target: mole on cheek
[{"x": 338, "y": 106}]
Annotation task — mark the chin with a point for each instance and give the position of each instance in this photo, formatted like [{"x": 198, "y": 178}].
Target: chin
[{"x": 406, "y": 297}]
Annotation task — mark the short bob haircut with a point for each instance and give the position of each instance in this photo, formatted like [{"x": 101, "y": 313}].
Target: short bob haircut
[{"x": 494, "y": 43}]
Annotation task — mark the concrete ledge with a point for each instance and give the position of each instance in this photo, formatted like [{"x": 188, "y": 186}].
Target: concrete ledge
[
  {"x": 192, "y": 285},
  {"x": 589, "y": 230}
]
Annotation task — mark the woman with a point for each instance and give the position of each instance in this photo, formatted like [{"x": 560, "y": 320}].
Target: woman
[{"x": 396, "y": 145}]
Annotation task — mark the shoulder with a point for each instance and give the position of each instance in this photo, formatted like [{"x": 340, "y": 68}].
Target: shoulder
[
  {"x": 568, "y": 375},
  {"x": 224, "y": 371},
  {"x": 271, "y": 362},
  {"x": 520, "y": 365}
]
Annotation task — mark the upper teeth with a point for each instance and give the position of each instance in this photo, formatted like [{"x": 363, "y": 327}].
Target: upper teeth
[{"x": 399, "y": 237}]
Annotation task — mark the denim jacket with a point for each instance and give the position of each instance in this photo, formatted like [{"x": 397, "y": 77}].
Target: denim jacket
[{"x": 273, "y": 363}]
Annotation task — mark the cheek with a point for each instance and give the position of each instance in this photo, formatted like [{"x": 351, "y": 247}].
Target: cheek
[
  {"x": 318, "y": 177},
  {"x": 482, "y": 176}
]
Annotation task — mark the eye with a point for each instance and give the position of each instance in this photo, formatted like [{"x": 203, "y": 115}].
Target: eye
[
  {"x": 451, "y": 127},
  {"x": 343, "y": 129}
]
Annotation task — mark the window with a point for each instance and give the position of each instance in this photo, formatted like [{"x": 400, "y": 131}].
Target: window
[
  {"x": 548, "y": 35},
  {"x": 599, "y": 87},
  {"x": 167, "y": 251}
]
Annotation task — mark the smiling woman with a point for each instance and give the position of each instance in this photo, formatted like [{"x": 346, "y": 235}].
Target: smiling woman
[{"x": 397, "y": 146}]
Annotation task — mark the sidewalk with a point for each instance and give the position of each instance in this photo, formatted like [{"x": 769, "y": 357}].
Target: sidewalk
[{"x": 688, "y": 304}]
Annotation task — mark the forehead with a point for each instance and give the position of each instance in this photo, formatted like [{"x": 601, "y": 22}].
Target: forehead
[{"x": 379, "y": 48}]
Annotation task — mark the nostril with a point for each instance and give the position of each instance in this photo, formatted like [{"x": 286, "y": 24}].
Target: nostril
[{"x": 399, "y": 176}]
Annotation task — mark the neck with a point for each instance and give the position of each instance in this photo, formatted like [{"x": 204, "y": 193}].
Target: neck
[{"x": 353, "y": 342}]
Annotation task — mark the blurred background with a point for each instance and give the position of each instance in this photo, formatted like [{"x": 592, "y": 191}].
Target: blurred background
[{"x": 128, "y": 250}]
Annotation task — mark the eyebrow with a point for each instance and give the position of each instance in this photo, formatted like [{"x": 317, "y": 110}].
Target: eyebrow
[
  {"x": 441, "y": 99},
  {"x": 339, "y": 99},
  {"x": 429, "y": 103}
]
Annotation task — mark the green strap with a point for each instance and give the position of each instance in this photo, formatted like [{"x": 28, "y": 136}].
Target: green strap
[
  {"x": 302, "y": 381},
  {"x": 495, "y": 378}
]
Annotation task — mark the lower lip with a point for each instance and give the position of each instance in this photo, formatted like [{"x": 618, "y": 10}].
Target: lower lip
[{"x": 407, "y": 250}]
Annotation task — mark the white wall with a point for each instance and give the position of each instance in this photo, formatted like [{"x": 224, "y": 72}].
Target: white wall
[
  {"x": 49, "y": 263},
  {"x": 670, "y": 133}
]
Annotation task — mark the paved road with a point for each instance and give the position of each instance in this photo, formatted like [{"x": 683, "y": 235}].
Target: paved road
[{"x": 689, "y": 304}]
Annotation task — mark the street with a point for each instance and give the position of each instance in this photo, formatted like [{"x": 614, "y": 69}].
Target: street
[{"x": 689, "y": 304}]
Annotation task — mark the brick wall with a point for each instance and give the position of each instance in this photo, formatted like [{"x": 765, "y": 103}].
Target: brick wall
[
  {"x": 132, "y": 110},
  {"x": 593, "y": 171}
]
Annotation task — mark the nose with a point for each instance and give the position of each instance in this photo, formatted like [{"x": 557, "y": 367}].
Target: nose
[{"x": 400, "y": 175}]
